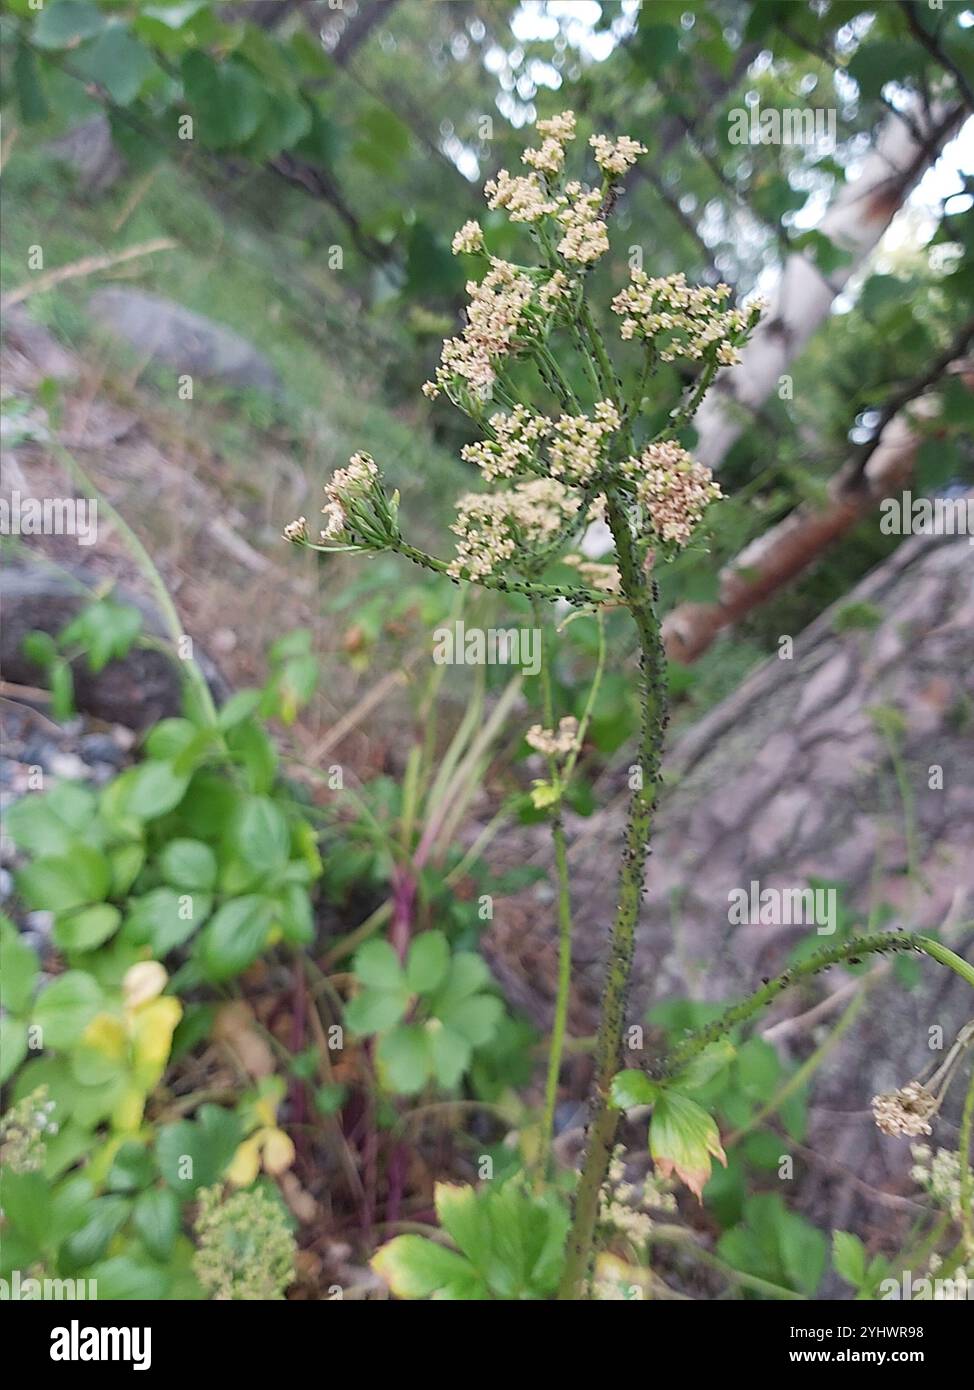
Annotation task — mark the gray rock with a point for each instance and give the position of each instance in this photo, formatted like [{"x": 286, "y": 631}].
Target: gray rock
[
  {"x": 166, "y": 332},
  {"x": 89, "y": 150}
]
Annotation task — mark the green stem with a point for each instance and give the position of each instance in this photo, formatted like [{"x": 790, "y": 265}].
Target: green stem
[
  {"x": 556, "y": 1048},
  {"x": 531, "y": 588},
  {"x": 680, "y": 1235},
  {"x": 854, "y": 948},
  {"x": 153, "y": 578},
  {"x": 608, "y": 1048},
  {"x": 966, "y": 1175}
]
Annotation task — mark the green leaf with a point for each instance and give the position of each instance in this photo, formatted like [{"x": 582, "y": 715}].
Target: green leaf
[
  {"x": 13, "y": 1045},
  {"x": 706, "y": 1065},
  {"x": 259, "y": 835},
  {"x": 151, "y": 789},
  {"x": 286, "y": 120},
  {"x": 58, "y": 883},
  {"x": 427, "y": 962},
  {"x": 35, "y": 826},
  {"x": 631, "y": 1088},
  {"x": 375, "y": 1010},
  {"x": 65, "y": 24},
  {"x": 106, "y": 1216},
  {"x": 188, "y": 864},
  {"x": 254, "y": 749},
  {"x": 804, "y": 1250},
  {"x": 27, "y": 1204},
  {"x": 415, "y": 1267},
  {"x": 156, "y": 1218},
  {"x": 450, "y": 1054},
  {"x": 126, "y": 862},
  {"x": 169, "y": 738},
  {"x": 132, "y": 1168},
  {"x": 849, "y": 1258},
  {"x": 463, "y": 1214},
  {"x": 18, "y": 978},
  {"x": 240, "y": 705},
  {"x": 61, "y": 682},
  {"x": 234, "y": 937},
  {"x": 65, "y": 1007},
  {"x": 655, "y": 47},
  {"x": 875, "y": 63},
  {"x": 193, "y": 1154},
  {"x": 30, "y": 94},
  {"x": 105, "y": 629},
  {"x": 227, "y": 100},
  {"x": 475, "y": 1019},
  {"x": 119, "y": 63},
  {"x": 84, "y": 930},
  {"x": 682, "y": 1139},
  {"x": 124, "y": 1277},
  {"x": 403, "y": 1056},
  {"x": 157, "y": 920},
  {"x": 468, "y": 975},
  {"x": 758, "y": 1068},
  {"x": 296, "y": 918},
  {"x": 377, "y": 965}
]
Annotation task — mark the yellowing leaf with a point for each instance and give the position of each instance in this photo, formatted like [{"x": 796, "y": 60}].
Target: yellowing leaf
[
  {"x": 683, "y": 1138},
  {"x": 245, "y": 1164},
  {"x": 543, "y": 794},
  {"x": 152, "y": 1028},
  {"x": 106, "y": 1034},
  {"x": 414, "y": 1267},
  {"x": 127, "y": 1113},
  {"x": 278, "y": 1152}
]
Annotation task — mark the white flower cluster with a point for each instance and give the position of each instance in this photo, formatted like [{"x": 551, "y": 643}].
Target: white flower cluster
[
  {"x": 347, "y": 485},
  {"x": 554, "y": 743},
  {"x": 560, "y": 128},
  {"x": 905, "y": 1112},
  {"x": 673, "y": 487},
  {"x": 689, "y": 321},
  {"x": 531, "y": 197},
  {"x": 514, "y": 446},
  {"x": 586, "y": 236},
  {"x": 625, "y": 1206},
  {"x": 493, "y": 526},
  {"x": 616, "y": 156},
  {"x": 557, "y": 288},
  {"x": 549, "y": 159},
  {"x": 522, "y": 195},
  {"x": 494, "y": 319},
  {"x": 939, "y": 1174},
  {"x": 576, "y": 450},
  {"x": 575, "y": 444},
  {"x": 470, "y": 239}
]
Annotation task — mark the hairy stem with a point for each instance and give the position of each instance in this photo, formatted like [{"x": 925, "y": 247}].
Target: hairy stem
[
  {"x": 564, "y": 917},
  {"x": 853, "y": 949},
  {"x": 966, "y": 1174},
  {"x": 645, "y": 779},
  {"x": 531, "y": 588}
]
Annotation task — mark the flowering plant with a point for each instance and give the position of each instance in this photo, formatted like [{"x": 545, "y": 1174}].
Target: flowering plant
[
  {"x": 564, "y": 443},
  {"x": 571, "y": 435}
]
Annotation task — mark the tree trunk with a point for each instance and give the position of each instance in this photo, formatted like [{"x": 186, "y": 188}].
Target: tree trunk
[{"x": 858, "y": 217}]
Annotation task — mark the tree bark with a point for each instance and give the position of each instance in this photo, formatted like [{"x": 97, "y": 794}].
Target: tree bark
[{"x": 858, "y": 217}]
